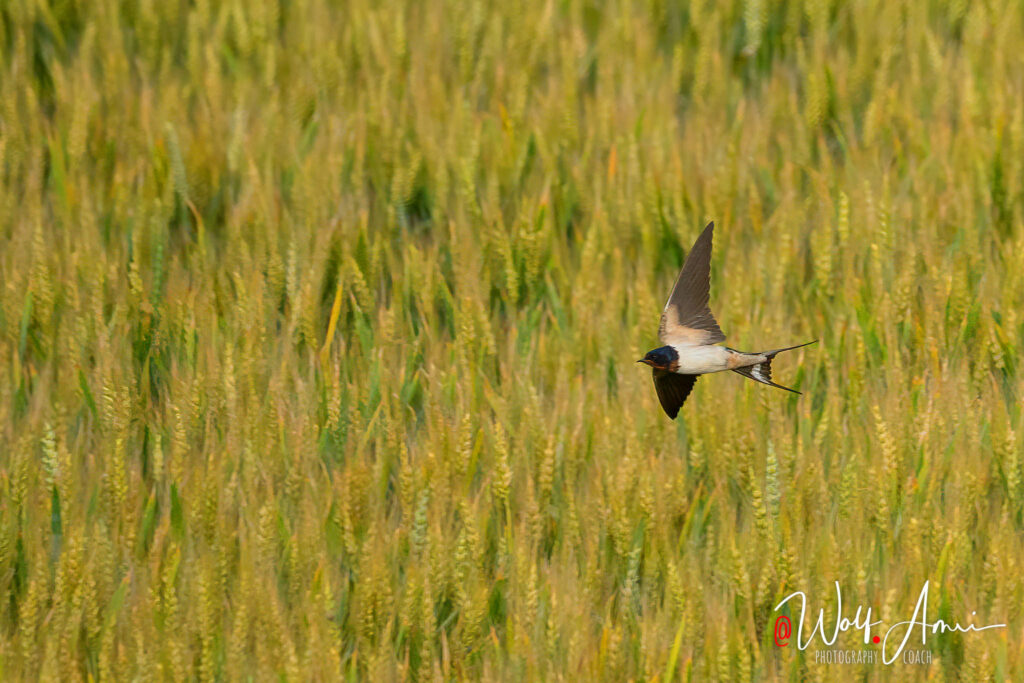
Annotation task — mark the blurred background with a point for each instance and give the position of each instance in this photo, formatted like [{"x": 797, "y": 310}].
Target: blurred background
[{"x": 319, "y": 321}]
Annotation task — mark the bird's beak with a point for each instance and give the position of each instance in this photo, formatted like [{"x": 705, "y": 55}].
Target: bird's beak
[{"x": 645, "y": 361}]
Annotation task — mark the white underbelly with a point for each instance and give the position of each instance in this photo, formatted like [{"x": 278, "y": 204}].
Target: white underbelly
[{"x": 699, "y": 360}]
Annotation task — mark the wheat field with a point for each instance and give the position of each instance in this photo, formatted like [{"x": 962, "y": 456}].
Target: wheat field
[{"x": 319, "y": 321}]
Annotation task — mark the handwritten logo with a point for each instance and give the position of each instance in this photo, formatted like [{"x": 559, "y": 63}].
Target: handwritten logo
[{"x": 897, "y": 635}]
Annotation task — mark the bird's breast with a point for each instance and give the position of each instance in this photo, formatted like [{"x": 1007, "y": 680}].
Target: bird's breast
[{"x": 700, "y": 360}]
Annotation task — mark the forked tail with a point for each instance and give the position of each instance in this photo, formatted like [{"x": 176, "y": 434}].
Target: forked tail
[{"x": 762, "y": 372}]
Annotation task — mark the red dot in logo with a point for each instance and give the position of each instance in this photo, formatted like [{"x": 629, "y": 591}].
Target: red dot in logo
[
  {"x": 876, "y": 640},
  {"x": 783, "y": 629}
]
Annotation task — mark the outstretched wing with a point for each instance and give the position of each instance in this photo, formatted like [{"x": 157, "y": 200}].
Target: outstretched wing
[
  {"x": 687, "y": 318},
  {"x": 672, "y": 390}
]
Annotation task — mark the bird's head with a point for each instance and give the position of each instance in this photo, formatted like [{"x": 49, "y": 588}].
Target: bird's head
[{"x": 661, "y": 358}]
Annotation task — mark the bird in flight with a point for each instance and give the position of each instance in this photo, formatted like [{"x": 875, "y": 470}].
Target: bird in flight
[{"x": 690, "y": 336}]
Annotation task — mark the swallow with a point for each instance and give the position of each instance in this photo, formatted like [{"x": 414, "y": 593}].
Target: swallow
[{"x": 690, "y": 336}]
